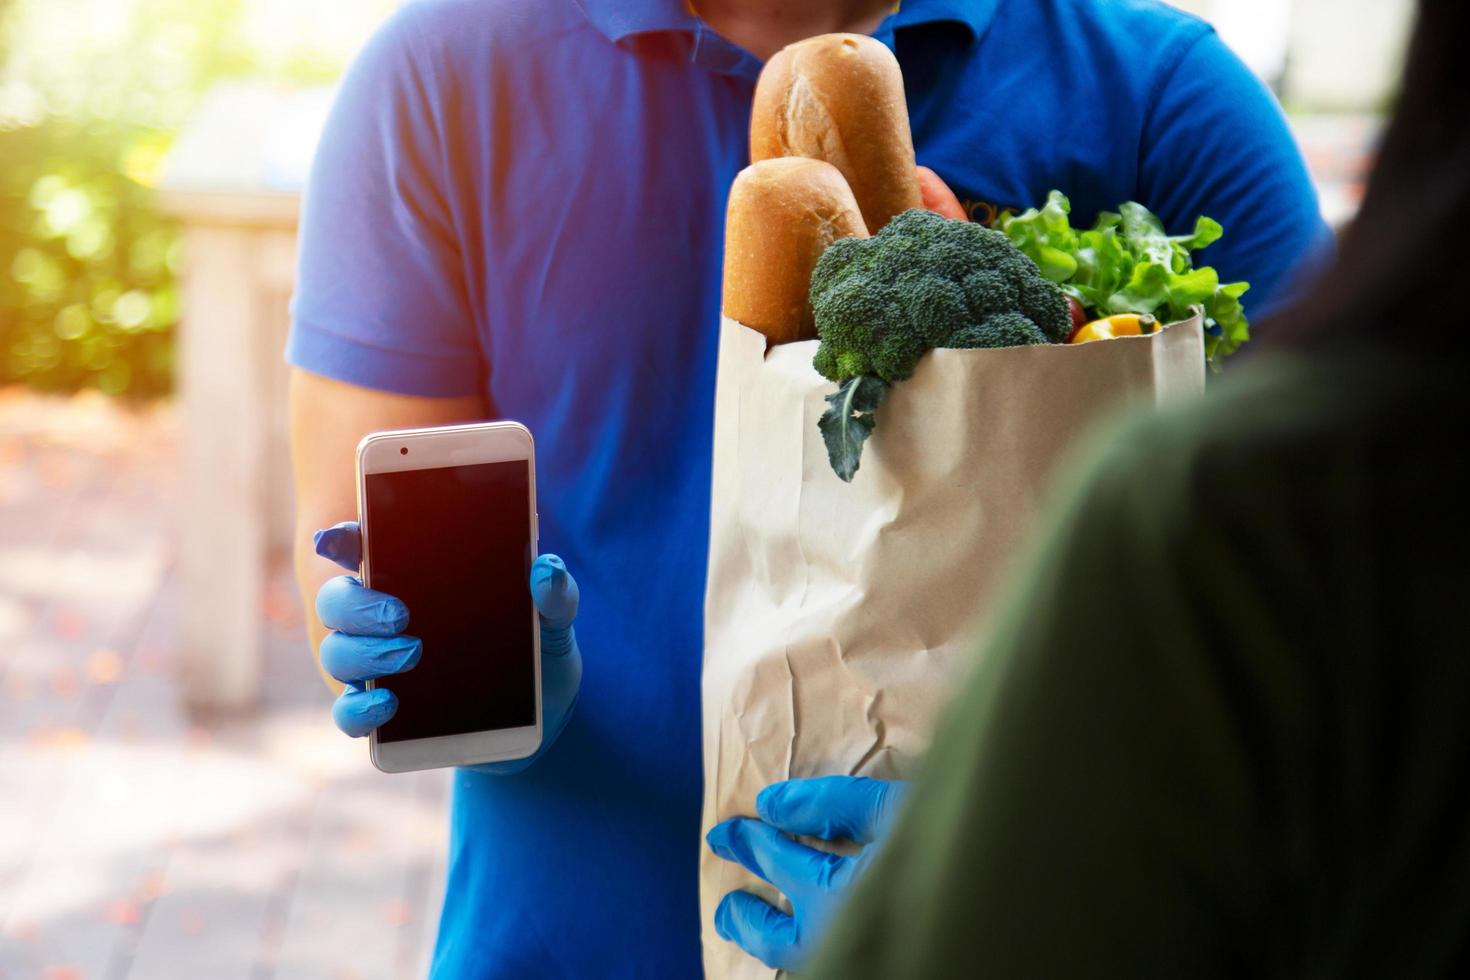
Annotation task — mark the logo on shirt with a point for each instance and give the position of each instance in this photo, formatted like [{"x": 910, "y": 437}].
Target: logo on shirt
[{"x": 983, "y": 212}]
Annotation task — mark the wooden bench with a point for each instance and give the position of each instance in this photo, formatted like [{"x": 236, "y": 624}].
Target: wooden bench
[{"x": 233, "y": 181}]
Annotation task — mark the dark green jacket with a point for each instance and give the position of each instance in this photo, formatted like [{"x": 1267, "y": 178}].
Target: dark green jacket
[{"x": 1224, "y": 727}]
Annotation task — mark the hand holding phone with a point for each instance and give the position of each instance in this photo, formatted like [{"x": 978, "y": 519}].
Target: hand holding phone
[
  {"x": 368, "y": 642},
  {"x": 478, "y": 672}
]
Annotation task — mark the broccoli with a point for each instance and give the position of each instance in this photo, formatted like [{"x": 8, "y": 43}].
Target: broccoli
[
  {"x": 920, "y": 283},
  {"x": 925, "y": 282},
  {"x": 1001, "y": 330}
]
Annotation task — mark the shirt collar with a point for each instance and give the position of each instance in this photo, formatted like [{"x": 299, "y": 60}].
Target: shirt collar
[
  {"x": 619, "y": 19},
  {"x": 972, "y": 15}
]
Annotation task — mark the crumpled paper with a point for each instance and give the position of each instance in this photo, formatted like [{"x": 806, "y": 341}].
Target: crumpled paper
[{"x": 838, "y": 617}]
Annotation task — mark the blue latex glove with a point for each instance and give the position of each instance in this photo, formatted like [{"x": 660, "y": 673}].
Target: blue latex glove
[
  {"x": 367, "y": 642},
  {"x": 833, "y": 808}
]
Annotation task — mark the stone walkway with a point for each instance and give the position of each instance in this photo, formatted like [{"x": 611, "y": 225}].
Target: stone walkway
[{"x": 137, "y": 842}]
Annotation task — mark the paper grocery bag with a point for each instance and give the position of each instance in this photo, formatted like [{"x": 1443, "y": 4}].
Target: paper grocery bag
[{"x": 838, "y": 616}]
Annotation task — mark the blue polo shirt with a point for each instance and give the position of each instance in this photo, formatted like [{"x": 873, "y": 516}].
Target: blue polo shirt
[{"x": 525, "y": 201}]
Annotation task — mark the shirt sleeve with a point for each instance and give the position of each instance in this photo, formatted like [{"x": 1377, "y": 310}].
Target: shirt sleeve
[
  {"x": 380, "y": 299},
  {"x": 1217, "y": 143},
  {"x": 1090, "y": 806}
]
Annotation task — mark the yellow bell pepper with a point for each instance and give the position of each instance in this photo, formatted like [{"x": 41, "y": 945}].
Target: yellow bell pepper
[{"x": 1117, "y": 325}]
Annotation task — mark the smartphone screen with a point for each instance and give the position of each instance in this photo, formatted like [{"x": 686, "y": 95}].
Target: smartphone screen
[{"x": 454, "y": 543}]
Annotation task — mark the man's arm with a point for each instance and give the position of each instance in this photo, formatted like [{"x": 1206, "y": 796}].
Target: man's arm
[
  {"x": 328, "y": 418},
  {"x": 1216, "y": 142}
]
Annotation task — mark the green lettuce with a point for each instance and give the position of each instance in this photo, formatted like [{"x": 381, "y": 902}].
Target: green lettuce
[{"x": 1127, "y": 263}]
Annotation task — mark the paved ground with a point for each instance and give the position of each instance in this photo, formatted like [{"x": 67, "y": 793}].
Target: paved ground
[{"x": 136, "y": 842}]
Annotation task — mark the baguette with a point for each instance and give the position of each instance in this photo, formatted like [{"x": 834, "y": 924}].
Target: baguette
[
  {"x": 782, "y": 215},
  {"x": 839, "y": 98}
]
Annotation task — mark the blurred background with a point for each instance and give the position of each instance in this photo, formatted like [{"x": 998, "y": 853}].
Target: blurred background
[{"x": 173, "y": 799}]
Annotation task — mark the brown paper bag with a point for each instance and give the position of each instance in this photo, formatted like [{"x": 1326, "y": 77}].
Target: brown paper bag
[{"x": 837, "y": 615}]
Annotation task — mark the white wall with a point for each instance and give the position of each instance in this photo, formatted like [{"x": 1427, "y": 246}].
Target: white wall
[
  {"x": 1346, "y": 54},
  {"x": 1323, "y": 54}
]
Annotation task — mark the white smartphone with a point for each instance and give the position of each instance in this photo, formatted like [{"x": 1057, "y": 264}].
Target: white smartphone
[{"x": 448, "y": 519}]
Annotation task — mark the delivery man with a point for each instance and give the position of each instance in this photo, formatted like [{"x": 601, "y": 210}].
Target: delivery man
[{"x": 516, "y": 210}]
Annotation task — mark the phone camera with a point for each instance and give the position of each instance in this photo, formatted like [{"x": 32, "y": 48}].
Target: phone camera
[{"x": 403, "y": 450}]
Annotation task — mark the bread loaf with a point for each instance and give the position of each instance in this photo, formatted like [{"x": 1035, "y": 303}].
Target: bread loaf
[
  {"x": 839, "y": 98},
  {"x": 782, "y": 214}
]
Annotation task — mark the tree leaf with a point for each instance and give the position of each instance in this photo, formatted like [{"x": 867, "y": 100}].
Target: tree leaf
[{"x": 849, "y": 420}]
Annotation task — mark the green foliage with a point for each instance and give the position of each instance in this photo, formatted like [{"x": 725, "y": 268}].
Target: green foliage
[
  {"x": 1127, "y": 263},
  {"x": 88, "y": 263},
  {"x": 5, "y": 8}
]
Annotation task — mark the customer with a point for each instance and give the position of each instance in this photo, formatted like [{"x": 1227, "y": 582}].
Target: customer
[{"x": 1224, "y": 729}]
